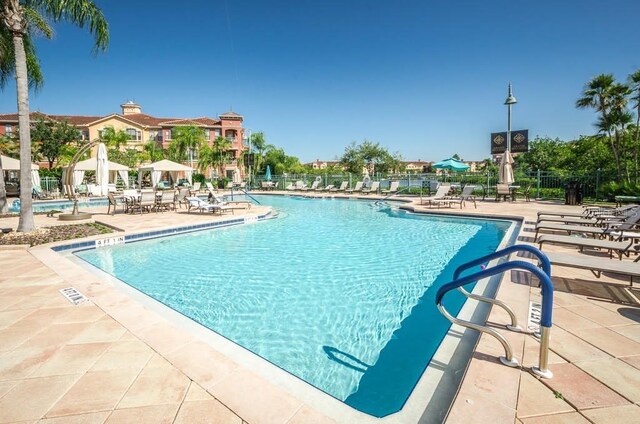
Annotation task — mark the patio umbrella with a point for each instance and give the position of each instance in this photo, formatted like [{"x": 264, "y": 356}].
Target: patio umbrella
[
  {"x": 506, "y": 168},
  {"x": 451, "y": 164},
  {"x": 102, "y": 170},
  {"x": 267, "y": 174}
]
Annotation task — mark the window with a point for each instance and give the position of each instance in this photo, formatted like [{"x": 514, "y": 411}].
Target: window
[
  {"x": 217, "y": 132},
  {"x": 8, "y": 129},
  {"x": 134, "y": 134},
  {"x": 207, "y": 133},
  {"x": 167, "y": 134},
  {"x": 230, "y": 135}
]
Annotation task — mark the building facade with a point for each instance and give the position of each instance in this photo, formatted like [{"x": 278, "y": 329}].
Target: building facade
[{"x": 143, "y": 128}]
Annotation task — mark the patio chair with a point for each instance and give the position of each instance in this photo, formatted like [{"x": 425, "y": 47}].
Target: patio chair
[
  {"x": 503, "y": 190},
  {"x": 375, "y": 186},
  {"x": 166, "y": 201},
  {"x": 357, "y": 188},
  {"x": 441, "y": 192},
  {"x": 196, "y": 187},
  {"x": 181, "y": 197},
  {"x": 343, "y": 187},
  {"x": 393, "y": 188},
  {"x": 466, "y": 194},
  {"x": 596, "y": 265},
  {"x": 146, "y": 202},
  {"x": 39, "y": 194},
  {"x": 620, "y": 247},
  {"x": 210, "y": 187},
  {"x": 114, "y": 203}
]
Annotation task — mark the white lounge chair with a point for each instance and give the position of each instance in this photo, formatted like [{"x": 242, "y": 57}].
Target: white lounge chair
[
  {"x": 467, "y": 194},
  {"x": 343, "y": 187},
  {"x": 441, "y": 192},
  {"x": 595, "y": 265},
  {"x": 375, "y": 186},
  {"x": 620, "y": 247},
  {"x": 202, "y": 206},
  {"x": 393, "y": 188},
  {"x": 357, "y": 188}
]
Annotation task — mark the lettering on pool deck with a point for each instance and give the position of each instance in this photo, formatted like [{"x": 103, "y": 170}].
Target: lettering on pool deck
[
  {"x": 110, "y": 241},
  {"x": 533, "y": 321},
  {"x": 73, "y": 295}
]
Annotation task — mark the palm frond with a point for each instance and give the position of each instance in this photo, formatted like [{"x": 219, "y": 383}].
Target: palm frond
[{"x": 80, "y": 13}]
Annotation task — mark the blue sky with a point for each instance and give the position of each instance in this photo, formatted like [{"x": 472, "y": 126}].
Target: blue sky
[{"x": 424, "y": 78}]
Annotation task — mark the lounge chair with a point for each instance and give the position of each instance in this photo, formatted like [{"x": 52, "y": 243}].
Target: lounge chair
[
  {"x": 375, "y": 186},
  {"x": 620, "y": 247},
  {"x": 203, "y": 206},
  {"x": 629, "y": 224},
  {"x": 441, "y": 192},
  {"x": 210, "y": 187},
  {"x": 596, "y": 265},
  {"x": 343, "y": 187},
  {"x": 314, "y": 186},
  {"x": 39, "y": 194},
  {"x": 393, "y": 188},
  {"x": 327, "y": 188},
  {"x": 467, "y": 194},
  {"x": 590, "y": 212},
  {"x": 357, "y": 188},
  {"x": 196, "y": 187},
  {"x": 215, "y": 200}
]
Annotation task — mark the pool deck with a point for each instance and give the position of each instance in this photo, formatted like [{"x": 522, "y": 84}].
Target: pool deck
[{"x": 116, "y": 359}]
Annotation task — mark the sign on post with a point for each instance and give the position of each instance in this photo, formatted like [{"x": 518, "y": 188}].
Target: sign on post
[
  {"x": 519, "y": 142},
  {"x": 498, "y": 143}
]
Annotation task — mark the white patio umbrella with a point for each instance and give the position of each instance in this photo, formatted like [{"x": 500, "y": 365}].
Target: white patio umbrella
[
  {"x": 506, "y": 168},
  {"x": 102, "y": 170}
]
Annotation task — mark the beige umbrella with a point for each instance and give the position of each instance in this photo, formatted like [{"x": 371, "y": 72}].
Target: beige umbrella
[{"x": 506, "y": 168}]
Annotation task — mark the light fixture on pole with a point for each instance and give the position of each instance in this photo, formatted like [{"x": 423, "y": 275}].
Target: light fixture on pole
[
  {"x": 511, "y": 100},
  {"x": 248, "y": 130}
]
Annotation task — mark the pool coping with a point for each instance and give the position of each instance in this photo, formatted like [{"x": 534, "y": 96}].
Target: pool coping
[{"x": 416, "y": 405}]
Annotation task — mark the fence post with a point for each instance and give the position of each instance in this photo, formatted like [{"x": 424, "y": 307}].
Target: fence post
[
  {"x": 597, "y": 183},
  {"x": 538, "y": 185}
]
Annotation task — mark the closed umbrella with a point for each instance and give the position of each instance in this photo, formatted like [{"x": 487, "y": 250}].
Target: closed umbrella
[
  {"x": 506, "y": 168},
  {"x": 102, "y": 170},
  {"x": 267, "y": 174}
]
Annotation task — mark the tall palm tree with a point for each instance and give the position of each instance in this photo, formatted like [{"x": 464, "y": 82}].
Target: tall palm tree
[
  {"x": 186, "y": 140},
  {"x": 7, "y": 70},
  {"x": 634, "y": 86},
  {"x": 258, "y": 145},
  {"x": 22, "y": 19},
  {"x": 603, "y": 94},
  {"x": 216, "y": 155}
]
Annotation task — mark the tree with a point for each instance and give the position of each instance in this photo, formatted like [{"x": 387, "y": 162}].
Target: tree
[
  {"x": 8, "y": 67},
  {"x": 258, "y": 147},
  {"x": 544, "y": 154},
  {"x": 21, "y": 19},
  {"x": 609, "y": 99},
  {"x": 154, "y": 151},
  {"x": 371, "y": 156},
  {"x": 114, "y": 138},
  {"x": 52, "y": 138},
  {"x": 186, "y": 140},
  {"x": 215, "y": 156},
  {"x": 634, "y": 86}
]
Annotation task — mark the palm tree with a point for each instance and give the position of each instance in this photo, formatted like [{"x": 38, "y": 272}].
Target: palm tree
[
  {"x": 609, "y": 99},
  {"x": 21, "y": 19},
  {"x": 7, "y": 70},
  {"x": 215, "y": 155},
  {"x": 185, "y": 141},
  {"x": 113, "y": 138},
  {"x": 634, "y": 86},
  {"x": 258, "y": 145}
]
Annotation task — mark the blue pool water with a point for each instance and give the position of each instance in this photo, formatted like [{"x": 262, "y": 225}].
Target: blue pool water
[
  {"x": 62, "y": 205},
  {"x": 337, "y": 292}
]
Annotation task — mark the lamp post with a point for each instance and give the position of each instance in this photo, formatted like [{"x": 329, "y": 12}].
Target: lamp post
[
  {"x": 249, "y": 158},
  {"x": 511, "y": 100}
]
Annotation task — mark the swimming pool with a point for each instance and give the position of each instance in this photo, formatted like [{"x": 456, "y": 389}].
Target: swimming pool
[
  {"x": 337, "y": 292},
  {"x": 62, "y": 205}
]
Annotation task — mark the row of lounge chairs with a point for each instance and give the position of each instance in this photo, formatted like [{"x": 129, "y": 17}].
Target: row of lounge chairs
[
  {"x": 343, "y": 188},
  {"x": 612, "y": 230}
]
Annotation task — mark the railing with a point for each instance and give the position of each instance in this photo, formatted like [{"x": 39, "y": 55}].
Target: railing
[{"x": 543, "y": 275}]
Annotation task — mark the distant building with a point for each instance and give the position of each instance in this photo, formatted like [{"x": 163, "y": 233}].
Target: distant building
[
  {"x": 143, "y": 128},
  {"x": 319, "y": 164}
]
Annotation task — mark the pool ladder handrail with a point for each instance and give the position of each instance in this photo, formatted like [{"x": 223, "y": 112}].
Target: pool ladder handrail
[
  {"x": 246, "y": 193},
  {"x": 380, "y": 201},
  {"x": 543, "y": 275}
]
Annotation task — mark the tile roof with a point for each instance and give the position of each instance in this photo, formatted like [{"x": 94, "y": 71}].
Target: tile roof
[{"x": 138, "y": 118}]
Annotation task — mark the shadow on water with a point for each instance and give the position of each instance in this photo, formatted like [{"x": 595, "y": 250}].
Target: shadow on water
[{"x": 349, "y": 360}]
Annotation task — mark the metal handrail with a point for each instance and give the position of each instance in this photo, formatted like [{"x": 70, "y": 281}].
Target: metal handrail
[
  {"x": 546, "y": 267},
  {"x": 545, "y": 319},
  {"x": 246, "y": 194}
]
